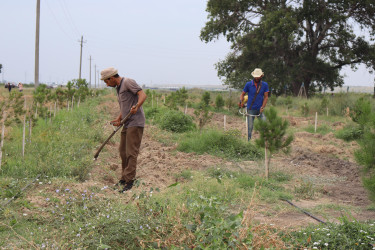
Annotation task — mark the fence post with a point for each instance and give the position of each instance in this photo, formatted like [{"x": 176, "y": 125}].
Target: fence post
[{"x": 2, "y": 138}]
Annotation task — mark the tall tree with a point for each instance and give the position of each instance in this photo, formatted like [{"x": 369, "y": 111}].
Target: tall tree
[{"x": 294, "y": 42}]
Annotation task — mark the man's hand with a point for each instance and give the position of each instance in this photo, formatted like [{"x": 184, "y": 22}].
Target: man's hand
[
  {"x": 261, "y": 110},
  {"x": 241, "y": 104},
  {"x": 134, "y": 109},
  {"x": 116, "y": 122}
]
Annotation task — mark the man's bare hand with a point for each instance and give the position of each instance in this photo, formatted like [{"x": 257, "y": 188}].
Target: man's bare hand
[{"x": 116, "y": 122}]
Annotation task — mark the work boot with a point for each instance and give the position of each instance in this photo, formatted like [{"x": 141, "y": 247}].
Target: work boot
[
  {"x": 128, "y": 186},
  {"x": 120, "y": 183}
]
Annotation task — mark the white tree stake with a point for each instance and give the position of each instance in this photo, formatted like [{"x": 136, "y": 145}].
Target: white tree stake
[
  {"x": 266, "y": 160},
  {"x": 157, "y": 101},
  {"x": 72, "y": 103},
  {"x": 185, "y": 109},
  {"x": 68, "y": 104},
  {"x": 2, "y": 138},
  {"x": 79, "y": 100},
  {"x": 30, "y": 127},
  {"x": 24, "y": 133},
  {"x": 54, "y": 111},
  {"x": 316, "y": 120},
  {"x": 247, "y": 127},
  {"x": 327, "y": 111}
]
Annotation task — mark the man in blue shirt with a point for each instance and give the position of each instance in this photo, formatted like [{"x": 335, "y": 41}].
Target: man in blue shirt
[{"x": 257, "y": 92}]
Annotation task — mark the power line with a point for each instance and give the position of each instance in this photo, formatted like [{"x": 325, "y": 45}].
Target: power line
[{"x": 60, "y": 26}]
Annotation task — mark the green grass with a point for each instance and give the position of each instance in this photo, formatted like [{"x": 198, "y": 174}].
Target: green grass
[
  {"x": 61, "y": 148},
  {"x": 348, "y": 234},
  {"x": 220, "y": 143}
]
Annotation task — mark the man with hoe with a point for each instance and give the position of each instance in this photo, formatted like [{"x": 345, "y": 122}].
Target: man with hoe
[
  {"x": 257, "y": 92},
  {"x": 130, "y": 97}
]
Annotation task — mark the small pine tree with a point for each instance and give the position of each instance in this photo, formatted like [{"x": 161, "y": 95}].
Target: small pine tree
[
  {"x": 206, "y": 98},
  {"x": 272, "y": 135},
  {"x": 219, "y": 102}
]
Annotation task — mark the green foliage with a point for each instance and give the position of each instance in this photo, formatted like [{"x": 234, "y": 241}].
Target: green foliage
[
  {"x": 305, "y": 190},
  {"x": 273, "y": 99},
  {"x": 177, "y": 98},
  {"x": 273, "y": 132},
  {"x": 219, "y": 102},
  {"x": 176, "y": 121},
  {"x": 305, "y": 109},
  {"x": 323, "y": 105},
  {"x": 202, "y": 114},
  {"x": 206, "y": 98},
  {"x": 361, "y": 111},
  {"x": 82, "y": 89},
  {"x": 348, "y": 234},
  {"x": 350, "y": 133},
  {"x": 225, "y": 144},
  {"x": 321, "y": 129},
  {"x": 284, "y": 38},
  {"x": 41, "y": 93},
  {"x": 366, "y": 157},
  {"x": 61, "y": 148}
]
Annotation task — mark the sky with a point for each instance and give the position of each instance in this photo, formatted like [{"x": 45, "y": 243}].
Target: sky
[{"x": 153, "y": 42}]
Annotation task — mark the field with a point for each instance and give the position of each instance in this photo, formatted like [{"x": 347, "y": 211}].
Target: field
[{"x": 183, "y": 198}]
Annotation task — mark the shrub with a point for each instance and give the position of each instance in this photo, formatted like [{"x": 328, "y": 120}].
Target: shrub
[
  {"x": 219, "y": 102},
  {"x": 305, "y": 109},
  {"x": 225, "y": 144},
  {"x": 350, "y": 133},
  {"x": 176, "y": 121}
]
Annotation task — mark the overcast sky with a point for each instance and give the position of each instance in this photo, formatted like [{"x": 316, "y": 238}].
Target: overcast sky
[{"x": 153, "y": 42}]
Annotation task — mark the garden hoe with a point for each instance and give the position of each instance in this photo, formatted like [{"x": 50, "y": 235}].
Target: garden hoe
[{"x": 113, "y": 133}]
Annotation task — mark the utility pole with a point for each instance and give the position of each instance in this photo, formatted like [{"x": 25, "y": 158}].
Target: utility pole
[
  {"x": 95, "y": 75},
  {"x": 36, "y": 74},
  {"x": 98, "y": 80},
  {"x": 90, "y": 72},
  {"x": 80, "y": 58}
]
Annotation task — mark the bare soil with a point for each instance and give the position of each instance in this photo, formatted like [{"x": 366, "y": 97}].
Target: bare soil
[{"x": 322, "y": 160}]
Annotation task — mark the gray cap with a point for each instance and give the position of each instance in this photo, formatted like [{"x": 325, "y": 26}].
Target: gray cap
[{"x": 107, "y": 73}]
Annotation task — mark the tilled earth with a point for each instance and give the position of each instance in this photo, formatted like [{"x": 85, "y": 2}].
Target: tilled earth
[{"x": 325, "y": 161}]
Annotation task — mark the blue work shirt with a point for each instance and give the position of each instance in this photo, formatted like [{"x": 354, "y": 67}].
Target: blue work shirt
[{"x": 251, "y": 88}]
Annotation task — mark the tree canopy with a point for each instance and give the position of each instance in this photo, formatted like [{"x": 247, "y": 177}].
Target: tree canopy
[{"x": 294, "y": 42}]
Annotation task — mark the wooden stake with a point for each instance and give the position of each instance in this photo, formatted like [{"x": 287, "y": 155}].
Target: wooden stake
[
  {"x": 30, "y": 127},
  {"x": 24, "y": 133},
  {"x": 72, "y": 103},
  {"x": 2, "y": 138},
  {"x": 68, "y": 105},
  {"x": 327, "y": 111},
  {"x": 266, "y": 161},
  {"x": 24, "y": 136},
  {"x": 185, "y": 109},
  {"x": 54, "y": 111},
  {"x": 247, "y": 127},
  {"x": 316, "y": 120}
]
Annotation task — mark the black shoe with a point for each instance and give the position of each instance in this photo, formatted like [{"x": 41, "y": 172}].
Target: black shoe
[
  {"x": 128, "y": 186},
  {"x": 120, "y": 183}
]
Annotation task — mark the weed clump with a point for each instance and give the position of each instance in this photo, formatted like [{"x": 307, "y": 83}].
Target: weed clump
[
  {"x": 176, "y": 121},
  {"x": 220, "y": 143}
]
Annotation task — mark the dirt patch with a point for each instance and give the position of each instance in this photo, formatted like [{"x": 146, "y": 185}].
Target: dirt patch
[{"x": 322, "y": 159}]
